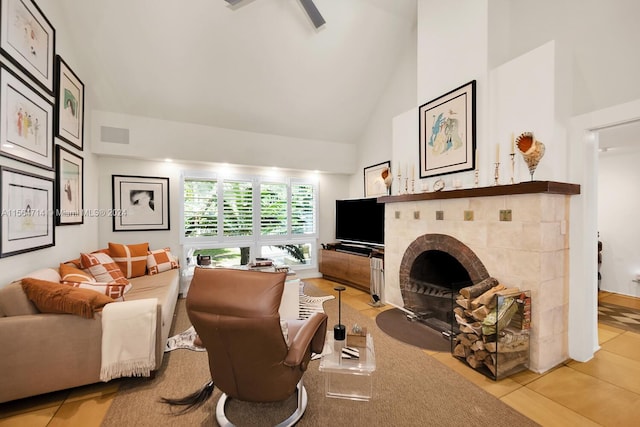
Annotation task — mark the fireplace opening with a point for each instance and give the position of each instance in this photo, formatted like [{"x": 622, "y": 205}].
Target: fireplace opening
[
  {"x": 435, "y": 278},
  {"x": 433, "y": 269}
]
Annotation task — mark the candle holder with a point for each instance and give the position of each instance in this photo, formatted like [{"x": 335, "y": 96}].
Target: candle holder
[
  {"x": 413, "y": 186},
  {"x": 513, "y": 166},
  {"x": 406, "y": 185},
  {"x": 399, "y": 182},
  {"x": 496, "y": 174},
  {"x": 339, "y": 330},
  {"x": 475, "y": 178}
]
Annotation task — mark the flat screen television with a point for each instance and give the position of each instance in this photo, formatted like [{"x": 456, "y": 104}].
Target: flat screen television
[{"x": 360, "y": 221}]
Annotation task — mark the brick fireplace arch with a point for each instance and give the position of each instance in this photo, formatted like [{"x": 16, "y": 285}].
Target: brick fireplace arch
[{"x": 447, "y": 244}]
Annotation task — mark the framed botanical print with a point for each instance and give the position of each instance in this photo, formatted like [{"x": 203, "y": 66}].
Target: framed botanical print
[
  {"x": 140, "y": 203},
  {"x": 27, "y": 212},
  {"x": 69, "y": 105},
  {"x": 69, "y": 187},
  {"x": 447, "y": 132},
  {"x": 26, "y": 133},
  {"x": 28, "y": 40}
]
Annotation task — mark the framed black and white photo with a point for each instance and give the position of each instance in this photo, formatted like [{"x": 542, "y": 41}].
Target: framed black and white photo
[
  {"x": 69, "y": 105},
  {"x": 28, "y": 40},
  {"x": 377, "y": 180},
  {"x": 448, "y": 132},
  {"x": 26, "y": 133},
  {"x": 140, "y": 203},
  {"x": 69, "y": 187},
  {"x": 27, "y": 212}
]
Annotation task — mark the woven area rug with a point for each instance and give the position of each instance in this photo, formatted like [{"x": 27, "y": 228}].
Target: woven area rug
[
  {"x": 308, "y": 306},
  {"x": 620, "y": 317},
  {"x": 410, "y": 388}
]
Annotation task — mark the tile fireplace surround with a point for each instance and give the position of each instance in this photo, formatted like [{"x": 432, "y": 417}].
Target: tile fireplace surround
[{"x": 530, "y": 252}]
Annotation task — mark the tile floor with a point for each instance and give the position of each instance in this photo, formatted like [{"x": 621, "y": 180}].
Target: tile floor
[{"x": 602, "y": 392}]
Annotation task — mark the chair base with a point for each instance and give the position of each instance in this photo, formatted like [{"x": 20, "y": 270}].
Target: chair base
[{"x": 293, "y": 418}]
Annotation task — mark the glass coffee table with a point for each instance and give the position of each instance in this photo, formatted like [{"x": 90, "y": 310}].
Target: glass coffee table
[{"x": 348, "y": 378}]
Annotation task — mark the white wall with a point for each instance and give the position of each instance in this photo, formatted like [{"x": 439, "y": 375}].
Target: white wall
[
  {"x": 618, "y": 220},
  {"x": 375, "y": 145},
  {"x": 158, "y": 139}
]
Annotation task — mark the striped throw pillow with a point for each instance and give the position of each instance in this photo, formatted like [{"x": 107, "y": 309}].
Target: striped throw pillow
[
  {"x": 161, "y": 260},
  {"x": 103, "y": 268}
]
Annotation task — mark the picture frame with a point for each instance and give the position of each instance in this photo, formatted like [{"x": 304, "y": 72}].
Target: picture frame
[
  {"x": 447, "y": 132},
  {"x": 374, "y": 181},
  {"x": 140, "y": 203},
  {"x": 28, "y": 40},
  {"x": 69, "y": 187},
  {"x": 69, "y": 105},
  {"x": 27, "y": 222},
  {"x": 28, "y": 134}
]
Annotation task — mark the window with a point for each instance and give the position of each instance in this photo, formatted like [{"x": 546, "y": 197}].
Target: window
[
  {"x": 200, "y": 208},
  {"x": 237, "y": 211},
  {"x": 235, "y": 220}
]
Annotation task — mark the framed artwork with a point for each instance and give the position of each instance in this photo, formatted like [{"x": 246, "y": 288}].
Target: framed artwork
[
  {"x": 448, "y": 132},
  {"x": 140, "y": 203},
  {"x": 27, "y": 212},
  {"x": 69, "y": 105},
  {"x": 26, "y": 133},
  {"x": 69, "y": 187},
  {"x": 376, "y": 178},
  {"x": 28, "y": 40}
]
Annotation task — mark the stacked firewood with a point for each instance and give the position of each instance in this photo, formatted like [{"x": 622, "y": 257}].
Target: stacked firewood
[{"x": 494, "y": 323}]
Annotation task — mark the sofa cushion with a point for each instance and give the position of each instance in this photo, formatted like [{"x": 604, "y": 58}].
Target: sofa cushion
[
  {"x": 161, "y": 260},
  {"x": 45, "y": 274},
  {"x": 132, "y": 259},
  {"x": 102, "y": 268},
  {"x": 52, "y": 297}
]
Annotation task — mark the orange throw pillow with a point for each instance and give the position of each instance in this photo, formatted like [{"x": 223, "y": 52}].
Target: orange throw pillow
[
  {"x": 131, "y": 259},
  {"x": 52, "y": 297}
]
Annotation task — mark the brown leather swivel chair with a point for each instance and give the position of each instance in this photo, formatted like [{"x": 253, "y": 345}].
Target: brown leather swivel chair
[{"x": 235, "y": 313}]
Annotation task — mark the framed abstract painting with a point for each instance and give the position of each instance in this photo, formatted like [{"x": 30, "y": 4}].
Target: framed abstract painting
[
  {"x": 140, "y": 203},
  {"x": 447, "y": 127},
  {"x": 26, "y": 201},
  {"x": 26, "y": 133},
  {"x": 69, "y": 105},
  {"x": 28, "y": 40},
  {"x": 69, "y": 187}
]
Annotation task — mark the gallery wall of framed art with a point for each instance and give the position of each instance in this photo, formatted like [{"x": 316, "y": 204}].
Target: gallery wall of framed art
[{"x": 42, "y": 136}]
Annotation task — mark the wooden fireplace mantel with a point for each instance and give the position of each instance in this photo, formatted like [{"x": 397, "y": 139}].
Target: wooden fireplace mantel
[{"x": 529, "y": 187}]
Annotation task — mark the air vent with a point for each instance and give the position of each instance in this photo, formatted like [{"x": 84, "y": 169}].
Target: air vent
[{"x": 115, "y": 135}]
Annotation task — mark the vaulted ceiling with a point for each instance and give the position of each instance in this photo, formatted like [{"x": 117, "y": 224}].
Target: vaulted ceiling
[{"x": 258, "y": 66}]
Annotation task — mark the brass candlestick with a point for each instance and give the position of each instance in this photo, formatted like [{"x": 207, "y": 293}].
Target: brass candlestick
[
  {"x": 513, "y": 166},
  {"x": 496, "y": 174}
]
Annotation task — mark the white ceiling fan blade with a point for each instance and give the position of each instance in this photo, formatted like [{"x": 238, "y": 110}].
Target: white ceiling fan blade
[{"x": 313, "y": 13}]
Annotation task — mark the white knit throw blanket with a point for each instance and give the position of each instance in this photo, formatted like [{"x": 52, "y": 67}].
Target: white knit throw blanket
[{"x": 128, "y": 339}]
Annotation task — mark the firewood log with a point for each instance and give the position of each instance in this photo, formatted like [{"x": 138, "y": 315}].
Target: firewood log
[{"x": 479, "y": 288}]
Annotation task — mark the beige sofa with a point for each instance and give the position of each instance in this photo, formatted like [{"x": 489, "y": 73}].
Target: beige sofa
[{"x": 41, "y": 353}]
